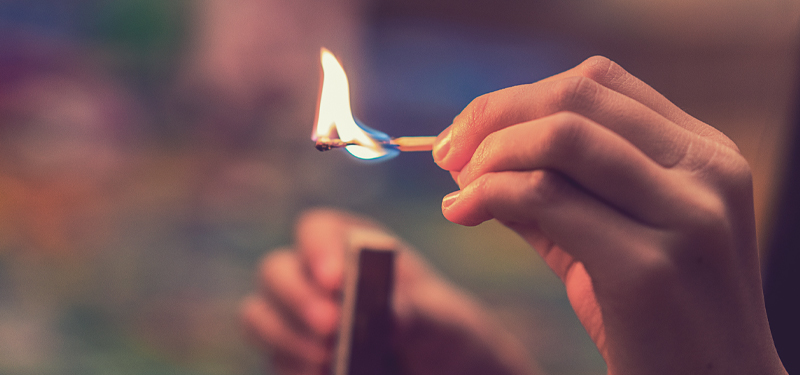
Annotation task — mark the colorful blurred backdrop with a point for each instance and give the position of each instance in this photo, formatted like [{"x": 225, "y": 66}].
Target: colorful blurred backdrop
[{"x": 152, "y": 151}]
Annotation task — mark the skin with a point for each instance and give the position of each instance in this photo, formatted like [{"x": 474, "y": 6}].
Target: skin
[
  {"x": 439, "y": 329},
  {"x": 644, "y": 212}
]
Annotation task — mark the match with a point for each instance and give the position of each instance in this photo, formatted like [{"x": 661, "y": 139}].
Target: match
[
  {"x": 327, "y": 144},
  {"x": 405, "y": 144}
]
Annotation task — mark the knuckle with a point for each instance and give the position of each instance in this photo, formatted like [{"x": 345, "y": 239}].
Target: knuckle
[
  {"x": 483, "y": 153},
  {"x": 736, "y": 172},
  {"x": 481, "y": 200},
  {"x": 602, "y": 70},
  {"x": 728, "y": 172},
  {"x": 479, "y": 110},
  {"x": 563, "y": 136},
  {"x": 708, "y": 214},
  {"x": 544, "y": 187},
  {"x": 736, "y": 182},
  {"x": 484, "y": 188},
  {"x": 575, "y": 93},
  {"x": 706, "y": 228},
  {"x": 482, "y": 185}
]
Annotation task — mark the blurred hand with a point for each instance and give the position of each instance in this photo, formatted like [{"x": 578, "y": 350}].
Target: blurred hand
[
  {"x": 644, "y": 212},
  {"x": 438, "y": 328}
]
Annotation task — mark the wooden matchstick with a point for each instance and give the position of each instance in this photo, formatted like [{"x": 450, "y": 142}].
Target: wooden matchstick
[
  {"x": 365, "y": 327},
  {"x": 414, "y": 143},
  {"x": 405, "y": 144}
]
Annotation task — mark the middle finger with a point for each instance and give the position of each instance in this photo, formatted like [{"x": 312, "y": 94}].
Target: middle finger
[
  {"x": 595, "y": 158},
  {"x": 660, "y": 139}
]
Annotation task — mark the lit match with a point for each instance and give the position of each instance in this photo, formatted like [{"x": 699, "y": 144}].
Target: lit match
[
  {"x": 404, "y": 144},
  {"x": 337, "y": 128}
]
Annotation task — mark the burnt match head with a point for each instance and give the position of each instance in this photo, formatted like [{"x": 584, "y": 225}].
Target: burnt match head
[
  {"x": 325, "y": 144},
  {"x": 322, "y": 146}
]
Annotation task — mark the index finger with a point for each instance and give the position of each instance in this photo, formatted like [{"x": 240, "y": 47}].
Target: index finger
[
  {"x": 612, "y": 76},
  {"x": 598, "y": 89}
]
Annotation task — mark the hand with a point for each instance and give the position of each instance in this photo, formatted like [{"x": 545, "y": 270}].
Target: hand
[
  {"x": 644, "y": 212},
  {"x": 438, "y": 328}
]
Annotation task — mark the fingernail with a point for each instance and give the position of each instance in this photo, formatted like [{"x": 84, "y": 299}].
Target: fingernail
[
  {"x": 442, "y": 146},
  {"x": 448, "y": 199}
]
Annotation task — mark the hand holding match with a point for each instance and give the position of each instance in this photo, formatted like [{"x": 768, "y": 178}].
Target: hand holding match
[{"x": 644, "y": 212}]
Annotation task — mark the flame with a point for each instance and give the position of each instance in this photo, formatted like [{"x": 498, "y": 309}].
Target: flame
[{"x": 334, "y": 116}]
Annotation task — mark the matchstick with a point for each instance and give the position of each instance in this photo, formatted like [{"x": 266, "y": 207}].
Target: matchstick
[
  {"x": 327, "y": 144},
  {"x": 365, "y": 328},
  {"x": 405, "y": 144},
  {"x": 414, "y": 143}
]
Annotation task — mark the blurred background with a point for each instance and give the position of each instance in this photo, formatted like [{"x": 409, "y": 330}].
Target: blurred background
[{"x": 152, "y": 151}]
